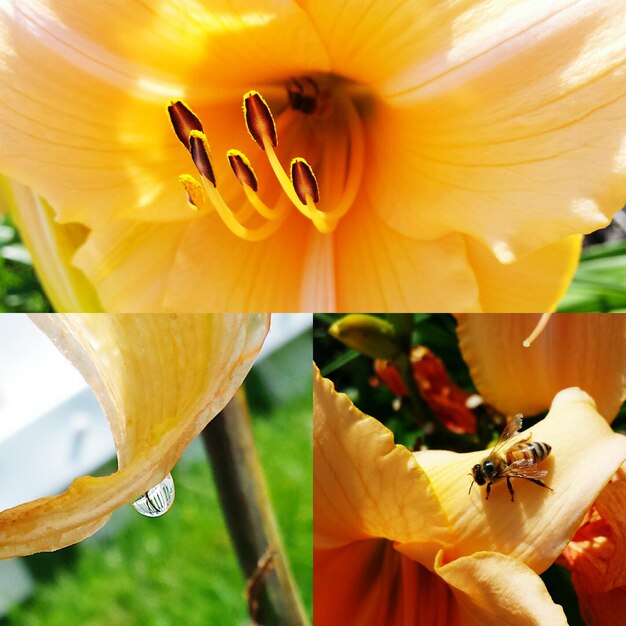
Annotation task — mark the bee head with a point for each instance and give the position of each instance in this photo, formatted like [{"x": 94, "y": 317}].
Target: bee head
[{"x": 477, "y": 473}]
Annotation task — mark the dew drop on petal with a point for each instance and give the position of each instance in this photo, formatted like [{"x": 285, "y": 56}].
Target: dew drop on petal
[{"x": 157, "y": 500}]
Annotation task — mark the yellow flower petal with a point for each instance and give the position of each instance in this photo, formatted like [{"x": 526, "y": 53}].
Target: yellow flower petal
[
  {"x": 370, "y": 42},
  {"x": 160, "y": 379},
  {"x": 494, "y": 589},
  {"x": 583, "y": 350},
  {"x": 376, "y": 264},
  {"x": 364, "y": 486},
  {"x": 517, "y": 163},
  {"x": 535, "y": 282},
  {"x": 536, "y": 527},
  {"x": 234, "y": 275}
]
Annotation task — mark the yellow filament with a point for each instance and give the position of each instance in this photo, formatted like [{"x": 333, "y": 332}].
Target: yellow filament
[
  {"x": 232, "y": 222},
  {"x": 357, "y": 162},
  {"x": 541, "y": 324},
  {"x": 262, "y": 208},
  {"x": 318, "y": 217},
  {"x": 326, "y": 221}
]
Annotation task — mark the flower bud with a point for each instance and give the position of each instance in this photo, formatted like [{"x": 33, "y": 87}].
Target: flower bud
[{"x": 371, "y": 336}]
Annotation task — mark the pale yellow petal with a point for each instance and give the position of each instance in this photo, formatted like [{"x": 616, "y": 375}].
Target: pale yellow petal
[
  {"x": 537, "y": 526},
  {"x": 196, "y": 266},
  {"x": 512, "y": 131},
  {"x": 584, "y": 350},
  {"x": 160, "y": 379},
  {"x": 494, "y": 589},
  {"x": 373, "y": 40},
  {"x": 129, "y": 264},
  {"x": 364, "y": 486},
  {"x": 535, "y": 282},
  {"x": 376, "y": 264}
]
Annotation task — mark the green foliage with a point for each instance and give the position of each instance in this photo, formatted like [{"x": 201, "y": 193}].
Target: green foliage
[
  {"x": 600, "y": 281},
  {"x": 19, "y": 287},
  {"x": 181, "y": 568}
]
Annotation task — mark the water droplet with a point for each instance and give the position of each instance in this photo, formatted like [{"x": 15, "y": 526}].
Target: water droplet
[{"x": 157, "y": 500}]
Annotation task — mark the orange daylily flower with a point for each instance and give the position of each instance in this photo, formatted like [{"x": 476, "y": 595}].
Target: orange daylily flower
[
  {"x": 459, "y": 150},
  {"x": 397, "y": 538},
  {"x": 160, "y": 379},
  {"x": 444, "y": 397},
  {"x": 596, "y": 554}
]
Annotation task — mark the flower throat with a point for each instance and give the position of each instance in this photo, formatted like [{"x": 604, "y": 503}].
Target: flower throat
[{"x": 339, "y": 160}]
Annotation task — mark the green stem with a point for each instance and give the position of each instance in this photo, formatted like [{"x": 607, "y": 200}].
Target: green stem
[
  {"x": 249, "y": 516},
  {"x": 421, "y": 412}
]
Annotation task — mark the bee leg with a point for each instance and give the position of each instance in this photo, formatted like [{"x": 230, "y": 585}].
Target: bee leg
[
  {"x": 488, "y": 490},
  {"x": 510, "y": 486},
  {"x": 538, "y": 482}
]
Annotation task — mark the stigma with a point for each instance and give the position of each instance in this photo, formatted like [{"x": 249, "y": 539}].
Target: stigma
[{"x": 297, "y": 184}]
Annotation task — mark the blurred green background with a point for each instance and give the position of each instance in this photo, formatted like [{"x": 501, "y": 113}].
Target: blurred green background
[{"x": 181, "y": 568}]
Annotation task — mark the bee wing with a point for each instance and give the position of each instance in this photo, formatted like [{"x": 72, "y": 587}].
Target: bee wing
[
  {"x": 525, "y": 468},
  {"x": 510, "y": 430}
]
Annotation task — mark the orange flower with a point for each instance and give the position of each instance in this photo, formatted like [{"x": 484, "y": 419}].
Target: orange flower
[
  {"x": 596, "y": 557},
  {"x": 398, "y": 540},
  {"x": 444, "y": 397},
  {"x": 459, "y": 150}
]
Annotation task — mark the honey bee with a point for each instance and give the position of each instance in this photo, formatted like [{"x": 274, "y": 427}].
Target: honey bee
[{"x": 518, "y": 461}]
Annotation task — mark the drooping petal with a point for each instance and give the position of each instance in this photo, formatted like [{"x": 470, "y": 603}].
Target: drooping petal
[
  {"x": 84, "y": 91},
  {"x": 160, "y": 379},
  {"x": 583, "y": 350},
  {"x": 534, "y": 528},
  {"x": 368, "y": 582},
  {"x": 493, "y": 589},
  {"x": 534, "y": 283},
  {"x": 376, "y": 264},
  {"x": 595, "y": 557},
  {"x": 510, "y": 129},
  {"x": 364, "y": 486}
]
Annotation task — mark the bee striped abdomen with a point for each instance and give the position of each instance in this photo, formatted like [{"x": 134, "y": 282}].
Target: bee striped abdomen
[{"x": 536, "y": 451}]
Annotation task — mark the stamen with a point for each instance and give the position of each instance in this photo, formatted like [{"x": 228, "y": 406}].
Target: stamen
[
  {"x": 259, "y": 119},
  {"x": 230, "y": 219},
  {"x": 193, "y": 189},
  {"x": 201, "y": 156},
  {"x": 304, "y": 181},
  {"x": 300, "y": 184},
  {"x": 541, "y": 324},
  {"x": 183, "y": 120},
  {"x": 243, "y": 170}
]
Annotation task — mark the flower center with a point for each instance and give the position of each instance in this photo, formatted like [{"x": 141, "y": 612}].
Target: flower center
[{"x": 337, "y": 153}]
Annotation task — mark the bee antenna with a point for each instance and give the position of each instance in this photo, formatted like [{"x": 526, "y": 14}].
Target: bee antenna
[{"x": 471, "y": 485}]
